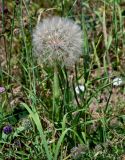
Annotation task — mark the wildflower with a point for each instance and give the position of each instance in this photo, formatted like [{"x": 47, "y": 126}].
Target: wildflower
[
  {"x": 79, "y": 88},
  {"x": 4, "y": 10},
  {"x": 7, "y": 129},
  {"x": 117, "y": 81},
  {"x": 57, "y": 39},
  {"x": 26, "y": 123},
  {"x": 2, "y": 89}
]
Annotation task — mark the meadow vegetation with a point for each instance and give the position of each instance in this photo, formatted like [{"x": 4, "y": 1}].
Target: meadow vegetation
[{"x": 73, "y": 105}]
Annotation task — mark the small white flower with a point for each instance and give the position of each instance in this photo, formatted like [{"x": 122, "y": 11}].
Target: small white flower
[
  {"x": 117, "y": 81},
  {"x": 79, "y": 88}
]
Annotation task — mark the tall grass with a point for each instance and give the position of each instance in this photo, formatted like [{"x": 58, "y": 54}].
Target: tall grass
[{"x": 64, "y": 125}]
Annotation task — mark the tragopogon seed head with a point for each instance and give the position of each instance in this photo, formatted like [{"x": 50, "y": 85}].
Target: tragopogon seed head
[{"x": 57, "y": 39}]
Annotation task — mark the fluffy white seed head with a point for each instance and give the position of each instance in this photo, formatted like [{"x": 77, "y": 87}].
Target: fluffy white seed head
[{"x": 59, "y": 40}]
